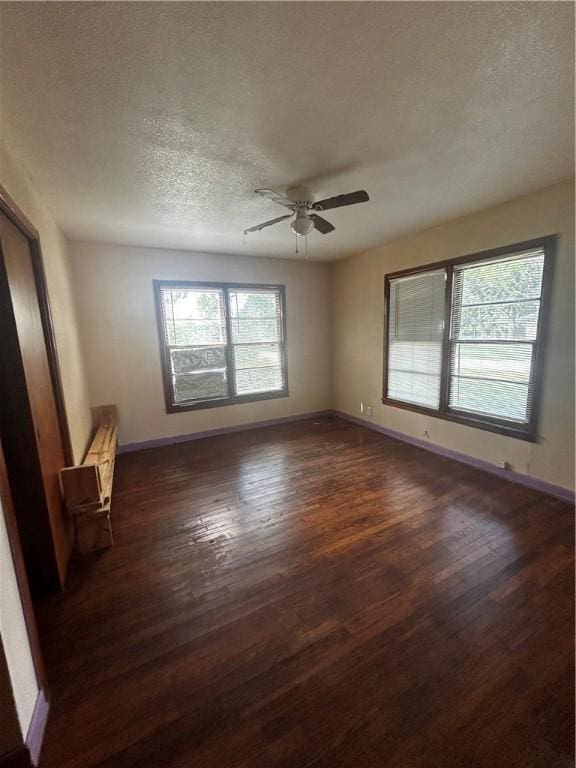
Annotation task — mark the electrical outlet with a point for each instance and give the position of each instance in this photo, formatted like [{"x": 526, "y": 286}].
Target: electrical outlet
[{"x": 369, "y": 410}]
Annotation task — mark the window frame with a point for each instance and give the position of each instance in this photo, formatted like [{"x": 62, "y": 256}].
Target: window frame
[
  {"x": 231, "y": 399},
  {"x": 526, "y": 432}
]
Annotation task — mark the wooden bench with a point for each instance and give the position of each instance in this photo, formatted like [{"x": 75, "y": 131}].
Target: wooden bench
[{"x": 87, "y": 488}]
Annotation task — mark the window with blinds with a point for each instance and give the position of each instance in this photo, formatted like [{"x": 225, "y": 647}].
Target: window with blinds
[
  {"x": 464, "y": 338},
  {"x": 415, "y": 331},
  {"x": 256, "y": 326},
  {"x": 495, "y": 312},
  {"x": 221, "y": 343}
]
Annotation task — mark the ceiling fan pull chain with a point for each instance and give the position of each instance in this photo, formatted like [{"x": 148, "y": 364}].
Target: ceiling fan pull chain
[{"x": 296, "y": 239}]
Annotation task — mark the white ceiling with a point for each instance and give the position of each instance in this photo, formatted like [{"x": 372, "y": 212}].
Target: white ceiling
[{"x": 152, "y": 123}]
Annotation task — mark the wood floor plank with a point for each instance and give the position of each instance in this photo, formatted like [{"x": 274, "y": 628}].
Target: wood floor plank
[{"x": 315, "y": 595}]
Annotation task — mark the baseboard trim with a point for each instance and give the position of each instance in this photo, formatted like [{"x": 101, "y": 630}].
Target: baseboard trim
[
  {"x": 506, "y": 474},
  {"x": 35, "y": 735},
  {"x": 514, "y": 477},
  {"x": 159, "y": 442}
]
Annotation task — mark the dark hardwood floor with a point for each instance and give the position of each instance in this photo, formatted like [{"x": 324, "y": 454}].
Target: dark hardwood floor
[{"x": 315, "y": 595}]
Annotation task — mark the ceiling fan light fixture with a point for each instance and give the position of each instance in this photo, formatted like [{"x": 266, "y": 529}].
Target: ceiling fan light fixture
[{"x": 302, "y": 225}]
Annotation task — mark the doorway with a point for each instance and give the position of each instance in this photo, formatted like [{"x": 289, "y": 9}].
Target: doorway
[{"x": 33, "y": 426}]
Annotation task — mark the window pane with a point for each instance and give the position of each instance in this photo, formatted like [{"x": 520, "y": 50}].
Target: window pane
[
  {"x": 203, "y": 385},
  {"x": 194, "y": 316},
  {"x": 200, "y": 358},
  {"x": 516, "y": 321},
  {"x": 258, "y": 368},
  {"x": 495, "y": 301},
  {"x": 256, "y": 355},
  {"x": 417, "y": 356},
  {"x": 499, "y": 399},
  {"x": 415, "y": 330},
  {"x": 255, "y": 316},
  {"x": 416, "y": 388},
  {"x": 254, "y": 380},
  {"x": 508, "y": 279},
  {"x": 250, "y": 329},
  {"x": 507, "y": 362},
  {"x": 253, "y": 304}
]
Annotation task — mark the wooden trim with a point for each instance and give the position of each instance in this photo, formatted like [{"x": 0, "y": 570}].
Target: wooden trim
[
  {"x": 171, "y": 406},
  {"x": 223, "y": 402},
  {"x": 500, "y": 426},
  {"x": 229, "y": 352},
  {"x": 445, "y": 369},
  {"x": 456, "y": 418},
  {"x": 386, "y": 334},
  {"x": 539, "y": 353},
  {"x": 21, "y": 577},
  {"x": 20, "y": 220}
]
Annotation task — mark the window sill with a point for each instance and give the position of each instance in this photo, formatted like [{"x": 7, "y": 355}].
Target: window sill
[
  {"x": 500, "y": 427},
  {"x": 224, "y": 401}
]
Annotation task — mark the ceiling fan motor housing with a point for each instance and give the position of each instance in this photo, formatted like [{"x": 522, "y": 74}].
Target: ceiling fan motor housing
[{"x": 300, "y": 196}]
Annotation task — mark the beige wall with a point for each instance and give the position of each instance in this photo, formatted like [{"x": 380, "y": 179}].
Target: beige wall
[
  {"x": 117, "y": 317},
  {"x": 56, "y": 262},
  {"x": 357, "y": 340}
]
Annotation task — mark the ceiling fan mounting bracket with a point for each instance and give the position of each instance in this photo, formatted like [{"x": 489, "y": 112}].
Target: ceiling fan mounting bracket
[{"x": 300, "y": 196}]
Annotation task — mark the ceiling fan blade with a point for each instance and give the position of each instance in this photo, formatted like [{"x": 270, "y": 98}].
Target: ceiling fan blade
[
  {"x": 321, "y": 224},
  {"x": 267, "y": 223},
  {"x": 337, "y": 202},
  {"x": 275, "y": 197}
]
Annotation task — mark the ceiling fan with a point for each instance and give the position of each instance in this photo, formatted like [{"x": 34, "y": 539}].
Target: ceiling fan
[{"x": 303, "y": 209}]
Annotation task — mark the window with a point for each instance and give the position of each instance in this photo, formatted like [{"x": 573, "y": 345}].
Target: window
[
  {"x": 220, "y": 343},
  {"x": 415, "y": 338},
  {"x": 464, "y": 338}
]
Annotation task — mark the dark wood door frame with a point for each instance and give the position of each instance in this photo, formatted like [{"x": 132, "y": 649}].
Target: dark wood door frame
[{"x": 20, "y": 220}]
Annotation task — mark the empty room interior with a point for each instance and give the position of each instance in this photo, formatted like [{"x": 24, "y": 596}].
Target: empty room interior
[{"x": 287, "y": 408}]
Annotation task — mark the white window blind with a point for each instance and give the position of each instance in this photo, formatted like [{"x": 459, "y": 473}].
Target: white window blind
[
  {"x": 415, "y": 332},
  {"x": 495, "y": 312},
  {"x": 221, "y": 343},
  {"x": 256, "y": 326}
]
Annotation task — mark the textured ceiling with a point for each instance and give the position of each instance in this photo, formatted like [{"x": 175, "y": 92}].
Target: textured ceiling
[{"x": 152, "y": 123}]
